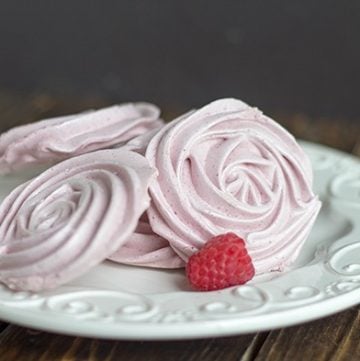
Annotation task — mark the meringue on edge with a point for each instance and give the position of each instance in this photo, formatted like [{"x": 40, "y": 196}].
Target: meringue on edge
[{"x": 70, "y": 218}]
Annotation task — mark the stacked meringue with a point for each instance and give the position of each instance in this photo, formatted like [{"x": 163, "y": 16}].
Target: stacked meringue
[
  {"x": 129, "y": 188},
  {"x": 52, "y": 140}
]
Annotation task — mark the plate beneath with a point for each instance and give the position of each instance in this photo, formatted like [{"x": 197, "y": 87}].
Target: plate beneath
[{"x": 124, "y": 302}]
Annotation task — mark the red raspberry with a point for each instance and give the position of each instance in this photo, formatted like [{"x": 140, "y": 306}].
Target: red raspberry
[{"x": 221, "y": 263}]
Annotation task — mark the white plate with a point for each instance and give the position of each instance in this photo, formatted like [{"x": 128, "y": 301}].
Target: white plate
[{"x": 122, "y": 302}]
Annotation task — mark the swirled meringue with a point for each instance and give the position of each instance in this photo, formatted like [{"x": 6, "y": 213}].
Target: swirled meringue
[
  {"x": 146, "y": 248},
  {"x": 52, "y": 140},
  {"x": 70, "y": 218},
  {"x": 229, "y": 168}
]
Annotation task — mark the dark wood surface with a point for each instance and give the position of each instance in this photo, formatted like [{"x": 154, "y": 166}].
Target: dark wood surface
[{"x": 332, "y": 338}]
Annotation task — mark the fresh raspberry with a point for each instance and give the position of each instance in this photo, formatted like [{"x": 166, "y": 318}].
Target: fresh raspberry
[{"x": 221, "y": 263}]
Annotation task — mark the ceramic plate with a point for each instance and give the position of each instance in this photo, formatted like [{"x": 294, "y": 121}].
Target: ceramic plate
[{"x": 123, "y": 302}]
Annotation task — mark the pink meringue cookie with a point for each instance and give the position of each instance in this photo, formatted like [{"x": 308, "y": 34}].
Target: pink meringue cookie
[
  {"x": 52, "y": 140},
  {"x": 147, "y": 249},
  {"x": 229, "y": 168},
  {"x": 57, "y": 226}
]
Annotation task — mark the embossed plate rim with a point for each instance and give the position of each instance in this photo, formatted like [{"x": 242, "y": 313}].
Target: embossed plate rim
[{"x": 184, "y": 331}]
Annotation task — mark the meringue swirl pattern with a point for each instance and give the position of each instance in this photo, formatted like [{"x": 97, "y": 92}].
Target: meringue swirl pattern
[
  {"x": 55, "y": 139},
  {"x": 57, "y": 226},
  {"x": 229, "y": 168}
]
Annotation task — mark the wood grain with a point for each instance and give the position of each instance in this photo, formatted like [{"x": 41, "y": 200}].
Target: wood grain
[
  {"x": 20, "y": 344},
  {"x": 332, "y": 338}
]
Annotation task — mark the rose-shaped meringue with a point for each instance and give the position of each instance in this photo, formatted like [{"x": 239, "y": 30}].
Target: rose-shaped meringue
[
  {"x": 52, "y": 140},
  {"x": 147, "y": 249},
  {"x": 70, "y": 218},
  {"x": 229, "y": 168}
]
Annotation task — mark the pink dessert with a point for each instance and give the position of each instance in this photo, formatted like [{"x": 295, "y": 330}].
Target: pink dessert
[
  {"x": 71, "y": 217},
  {"x": 225, "y": 168},
  {"x": 52, "y": 140},
  {"x": 146, "y": 248},
  {"x": 229, "y": 168}
]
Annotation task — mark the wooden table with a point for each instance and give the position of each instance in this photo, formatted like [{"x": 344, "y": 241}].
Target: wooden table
[{"x": 332, "y": 338}]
